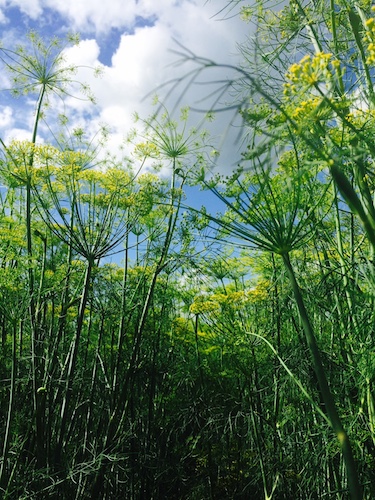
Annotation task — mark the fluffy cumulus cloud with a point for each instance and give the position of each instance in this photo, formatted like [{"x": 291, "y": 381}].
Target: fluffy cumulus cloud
[
  {"x": 31, "y": 8},
  {"x": 96, "y": 15},
  {"x": 6, "y": 116},
  {"x": 142, "y": 58}
]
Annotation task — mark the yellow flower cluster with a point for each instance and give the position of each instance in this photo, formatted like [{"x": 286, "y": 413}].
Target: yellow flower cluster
[
  {"x": 306, "y": 108},
  {"x": 180, "y": 326},
  {"x": 260, "y": 292},
  {"x": 22, "y": 155},
  {"x": 310, "y": 72},
  {"x": 218, "y": 301},
  {"x": 146, "y": 150},
  {"x": 230, "y": 298},
  {"x": 370, "y": 39},
  {"x": 203, "y": 305},
  {"x": 361, "y": 118},
  {"x": 246, "y": 13}
]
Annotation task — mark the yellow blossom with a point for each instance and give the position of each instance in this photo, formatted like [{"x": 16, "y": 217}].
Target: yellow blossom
[
  {"x": 204, "y": 305},
  {"x": 310, "y": 71},
  {"x": 147, "y": 149}
]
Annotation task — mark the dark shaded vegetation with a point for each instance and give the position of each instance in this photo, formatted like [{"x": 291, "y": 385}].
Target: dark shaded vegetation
[{"x": 190, "y": 369}]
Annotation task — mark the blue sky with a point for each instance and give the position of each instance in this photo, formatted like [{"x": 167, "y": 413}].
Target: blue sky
[{"x": 133, "y": 41}]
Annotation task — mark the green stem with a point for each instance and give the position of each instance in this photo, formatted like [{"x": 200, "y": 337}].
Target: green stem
[
  {"x": 118, "y": 415},
  {"x": 355, "y": 204},
  {"x": 355, "y": 488},
  {"x": 73, "y": 357},
  {"x": 10, "y": 409},
  {"x": 341, "y": 86},
  {"x": 340, "y": 248},
  {"x": 121, "y": 331},
  {"x": 35, "y": 363}
]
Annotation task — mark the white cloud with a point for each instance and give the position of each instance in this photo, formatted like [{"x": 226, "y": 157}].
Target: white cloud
[
  {"x": 3, "y": 18},
  {"x": 201, "y": 30},
  {"x": 32, "y": 8},
  {"x": 19, "y": 134},
  {"x": 143, "y": 59},
  {"x": 6, "y": 116},
  {"x": 86, "y": 53},
  {"x": 97, "y": 15}
]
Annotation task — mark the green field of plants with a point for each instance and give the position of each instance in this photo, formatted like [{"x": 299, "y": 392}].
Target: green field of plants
[{"x": 152, "y": 350}]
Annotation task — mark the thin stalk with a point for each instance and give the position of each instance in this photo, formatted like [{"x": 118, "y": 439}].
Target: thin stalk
[
  {"x": 276, "y": 320},
  {"x": 340, "y": 248},
  {"x": 336, "y": 45},
  {"x": 355, "y": 488},
  {"x": 197, "y": 350},
  {"x": 7, "y": 435},
  {"x": 355, "y": 204},
  {"x": 39, "y": 427},
  {"x": 118, "y": 415},
  {"x": 73, "y": 357},
  {"x": 121, "y": 331},
  {"x": 35, "y": 347},
  {"x": 89, "y": 414},
  {"x": 357, "y": 20}
]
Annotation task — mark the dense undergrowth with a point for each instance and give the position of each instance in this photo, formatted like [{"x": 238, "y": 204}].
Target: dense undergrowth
[{"x": 219, "y": 355}]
